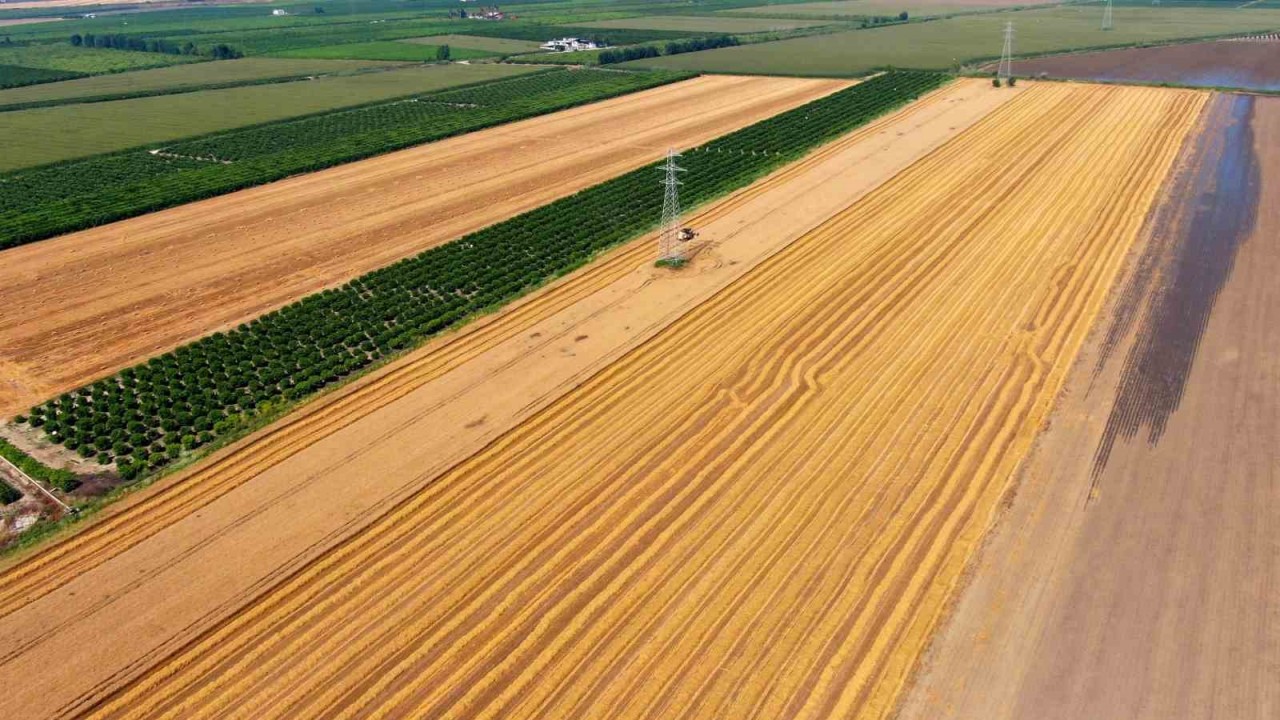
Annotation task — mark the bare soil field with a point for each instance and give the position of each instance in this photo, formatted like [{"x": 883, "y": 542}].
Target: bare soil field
[
  {"x": 761, "y": 509},
  {"x": 1134, "y": 575},
  {"x": 87, "y": 304},
  {"x": 213, "y": 533},
  {"x": 5, "y": 22},
  {"x": 1246, "y": 65}
]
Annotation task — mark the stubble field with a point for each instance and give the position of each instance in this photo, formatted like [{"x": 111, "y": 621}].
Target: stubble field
[{"x": 762, "y": 511}]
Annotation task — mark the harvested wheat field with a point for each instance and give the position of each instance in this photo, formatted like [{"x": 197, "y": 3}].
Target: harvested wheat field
[
  {"x": 762, "y": 510},
  {"x": 89, "y": 303},
  {"x": 155, "y": 571},
  {"x": 1134, "y": 576}
]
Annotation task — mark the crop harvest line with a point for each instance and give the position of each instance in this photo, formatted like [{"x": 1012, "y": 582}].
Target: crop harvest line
[
  {"x": 761, "y": 511},
  {"x": 135, "y": 522}
]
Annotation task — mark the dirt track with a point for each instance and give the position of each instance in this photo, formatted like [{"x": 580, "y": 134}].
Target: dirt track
[
  {"x": 1139, "y": 581},
  {"x": 85, "y": 304},
  {"x": 761, "y": 510}
]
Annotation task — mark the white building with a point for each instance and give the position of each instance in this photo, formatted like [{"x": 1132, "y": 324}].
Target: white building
[{"x": 569, "y": 45}]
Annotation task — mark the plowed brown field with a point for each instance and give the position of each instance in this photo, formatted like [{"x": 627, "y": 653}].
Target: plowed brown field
[
  {"x": 83, "y": 305},
  {"x": 762, "y": 511}
]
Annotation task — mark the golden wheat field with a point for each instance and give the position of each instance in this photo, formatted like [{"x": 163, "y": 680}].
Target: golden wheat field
[{"x": 764, "y": 510}]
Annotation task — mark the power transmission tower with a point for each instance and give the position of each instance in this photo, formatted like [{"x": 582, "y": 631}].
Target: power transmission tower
[
  {"x": 668, "y": 238},
  {"x": 1005, "y": 70},
  {"x": 1106, "y": 17}
]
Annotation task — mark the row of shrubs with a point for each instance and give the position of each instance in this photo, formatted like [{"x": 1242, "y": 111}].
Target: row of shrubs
[
  {"x": 676, "y": 47},
  {"x": 221, "y": 51},
  {"x": 64, "y": 480}
]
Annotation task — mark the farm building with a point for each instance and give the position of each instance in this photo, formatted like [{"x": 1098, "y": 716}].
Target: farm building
[{"x": 570, "y": 44}]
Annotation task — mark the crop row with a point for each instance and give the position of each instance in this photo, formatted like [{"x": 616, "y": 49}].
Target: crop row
[
  {"x": 18, "y": 75},
  {"x": 148, "y": 415},
  {"x": 40, "y": 202}
]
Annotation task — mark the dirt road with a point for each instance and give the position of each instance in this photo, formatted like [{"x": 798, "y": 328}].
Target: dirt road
[
  {"x": 1135, "y": 575},
  {"x": 759, "y": 511},
  {"x": 86, "y": 304}
]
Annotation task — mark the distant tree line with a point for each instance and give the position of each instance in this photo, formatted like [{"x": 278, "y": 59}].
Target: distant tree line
[
  {"x": 885, "y": 19},
  {"x": 220, "y": 51},
  {"x": 675, "y": 47},
  {"x": 683, "y": 46},
  {"x": 609, "y": 57}
]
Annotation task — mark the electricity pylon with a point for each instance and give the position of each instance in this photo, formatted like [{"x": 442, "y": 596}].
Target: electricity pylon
[
  {"x": 668, "y": 236},
  {"x": 1106, "y": 17},
  {"x": 1005, "y": 70}
]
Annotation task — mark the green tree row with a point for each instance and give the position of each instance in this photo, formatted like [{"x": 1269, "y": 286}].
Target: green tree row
[
  {"x": 64, "y": 480},
  {"x": 148, "y": 415},
  {"x": 219, "y": 51},
  {"x": 676, "y": 47}
]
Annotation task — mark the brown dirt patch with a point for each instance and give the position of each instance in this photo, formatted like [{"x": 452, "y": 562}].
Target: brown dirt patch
[{"x": 1238, "y": 64}]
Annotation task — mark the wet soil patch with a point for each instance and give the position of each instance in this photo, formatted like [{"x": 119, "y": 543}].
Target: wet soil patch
[{"x": 1209, "y": 211}]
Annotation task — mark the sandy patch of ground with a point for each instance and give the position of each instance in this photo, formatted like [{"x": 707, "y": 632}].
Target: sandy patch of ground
[
  {"x": 5, "y": 22},
  {"x": 86, "y": 304},
  {"x": 152, "y": 573}
]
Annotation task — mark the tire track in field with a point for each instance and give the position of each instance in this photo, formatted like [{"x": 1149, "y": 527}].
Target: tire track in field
[
  {"x": 124, "y": 528},
  {"x": 762, "y": 511}
]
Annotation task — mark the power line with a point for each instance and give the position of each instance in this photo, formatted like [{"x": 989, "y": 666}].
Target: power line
[
  {"x": 669, "y": 236},
  {"x": 1005, "y": 70}
]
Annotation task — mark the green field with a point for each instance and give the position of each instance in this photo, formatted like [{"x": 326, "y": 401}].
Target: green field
[
  {"x": 177, "y": 78},
  {"x": 62, "y": 56},
  {"x": 384, "y": 50},
  {"x": 108, "y": 126},
  {"x": 500, "y": 46},
  {"x": 949, "y": 42},
  {"x": 691, "y": 23}
]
